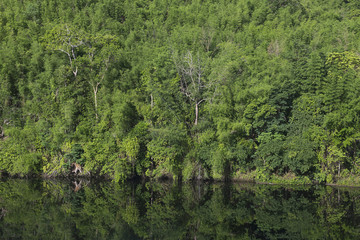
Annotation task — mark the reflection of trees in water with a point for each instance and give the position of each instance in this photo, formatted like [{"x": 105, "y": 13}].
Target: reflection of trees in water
[{"x": 51, "y": 209}]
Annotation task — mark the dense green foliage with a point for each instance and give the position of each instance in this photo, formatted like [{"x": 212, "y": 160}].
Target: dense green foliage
[
  {"x": 184, "y": 89},
  {"x": 52, "y": 210}
]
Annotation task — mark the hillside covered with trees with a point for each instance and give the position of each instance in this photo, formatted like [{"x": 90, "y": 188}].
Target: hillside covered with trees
[{"x": 248, "y": 89}]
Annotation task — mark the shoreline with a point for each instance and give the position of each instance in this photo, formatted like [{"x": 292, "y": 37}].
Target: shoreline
[{"x": 289, "y": 182}]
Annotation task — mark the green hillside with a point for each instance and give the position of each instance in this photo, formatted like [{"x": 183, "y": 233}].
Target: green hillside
[{"x": 265, "y": 90}]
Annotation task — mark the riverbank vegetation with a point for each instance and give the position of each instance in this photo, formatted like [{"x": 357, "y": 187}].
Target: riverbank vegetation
[{"x": 182, "y": 89}]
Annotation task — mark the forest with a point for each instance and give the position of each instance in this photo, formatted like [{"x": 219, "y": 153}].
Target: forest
[{"x": 256, "y": 90}]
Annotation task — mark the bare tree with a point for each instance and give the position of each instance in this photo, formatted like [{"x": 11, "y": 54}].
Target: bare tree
[
  {"x": 65, "y": 39},
  {"x": 96, "y": 54},
  {"x": 193, "y": 81},
  {"x": 99, "y": 70}
]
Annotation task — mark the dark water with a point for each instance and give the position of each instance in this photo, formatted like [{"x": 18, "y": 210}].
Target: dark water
[{"x": 59, "y": 210}]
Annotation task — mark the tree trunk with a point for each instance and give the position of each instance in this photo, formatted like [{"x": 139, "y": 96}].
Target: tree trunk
[
  {"x": 95, "y": 89},
  {"x": 95, "y": 96},
  {"x": 196, "y": 113}
]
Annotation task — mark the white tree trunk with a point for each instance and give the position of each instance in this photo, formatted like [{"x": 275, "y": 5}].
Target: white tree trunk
[
  {"x": 95, "y": 89},
  {"x": 196, "y": 113}
]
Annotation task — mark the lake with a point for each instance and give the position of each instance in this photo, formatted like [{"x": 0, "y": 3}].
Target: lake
[{"x": 49, "y": 209}]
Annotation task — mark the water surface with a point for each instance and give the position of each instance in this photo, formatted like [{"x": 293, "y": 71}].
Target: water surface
[{"x": 104, "y": 210}]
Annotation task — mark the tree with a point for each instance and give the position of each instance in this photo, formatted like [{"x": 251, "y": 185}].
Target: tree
[
  {"x": 68, "y": 40},
  {"x": 194, "y": 83},
  {"x": 91, "y": 53}
]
